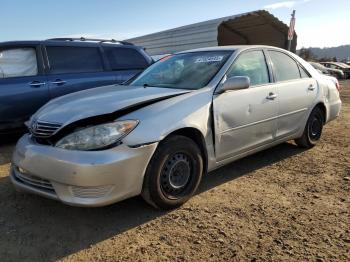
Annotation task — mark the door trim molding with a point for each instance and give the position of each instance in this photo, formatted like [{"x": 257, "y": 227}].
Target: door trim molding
[{"x": 262, "y": 121}]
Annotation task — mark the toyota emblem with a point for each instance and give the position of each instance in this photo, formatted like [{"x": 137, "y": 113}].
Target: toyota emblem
[{"x": 34, "y": 126}]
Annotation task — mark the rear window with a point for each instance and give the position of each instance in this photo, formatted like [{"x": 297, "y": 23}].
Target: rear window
[
  {"x": 285, "y": 68},
  {"x": 125, "y": 58},
  {"x": 303, "y": 72},
  {"x": 18, "y": 62},
  {"x": 74, "y": 59}
]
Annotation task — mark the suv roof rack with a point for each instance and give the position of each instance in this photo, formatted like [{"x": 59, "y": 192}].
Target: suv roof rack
[{"x": 91, "y": 39}]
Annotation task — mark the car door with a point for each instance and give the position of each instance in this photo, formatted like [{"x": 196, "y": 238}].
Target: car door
[
  {"x": 75, "y": 68},
  {"x": 246, "y": 119},
  {"x": 124, "y": 61},
  {"x": 296, "y": 91},
  {"x": 23, "y": 85}
]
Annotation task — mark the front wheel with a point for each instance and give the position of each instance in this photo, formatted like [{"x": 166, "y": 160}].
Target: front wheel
[
  {"x": 313, "y": 129},
  {"x": 174, "y": 173}
]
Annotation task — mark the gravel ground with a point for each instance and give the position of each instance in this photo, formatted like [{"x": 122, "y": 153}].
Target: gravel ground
[{"x": 283, "y": 204}]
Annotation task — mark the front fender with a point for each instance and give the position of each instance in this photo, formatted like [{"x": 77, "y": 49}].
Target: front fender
[{"x": 160, "y": 119}]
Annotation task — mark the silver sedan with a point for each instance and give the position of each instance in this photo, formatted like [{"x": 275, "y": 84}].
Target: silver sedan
[{"x": 184, "y": 116}]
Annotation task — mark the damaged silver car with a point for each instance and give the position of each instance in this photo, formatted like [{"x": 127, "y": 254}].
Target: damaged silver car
[{"x": 184, "y": 116}]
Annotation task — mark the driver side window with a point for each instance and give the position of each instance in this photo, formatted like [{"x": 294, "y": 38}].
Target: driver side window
[{"x": 253, "y": 65}]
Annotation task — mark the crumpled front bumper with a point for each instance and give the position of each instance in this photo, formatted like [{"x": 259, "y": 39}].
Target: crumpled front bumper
[{"x": 80, "y": 178}]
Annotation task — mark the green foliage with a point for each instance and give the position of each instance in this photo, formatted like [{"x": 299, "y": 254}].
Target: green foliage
[{"x": 306, "y": 54}]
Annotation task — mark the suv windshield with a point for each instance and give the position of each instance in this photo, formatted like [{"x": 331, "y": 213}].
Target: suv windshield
[{"x": 183, "y": 71}]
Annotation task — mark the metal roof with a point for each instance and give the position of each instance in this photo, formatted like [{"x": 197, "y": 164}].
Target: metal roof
[{"x": 253, "y": 28}]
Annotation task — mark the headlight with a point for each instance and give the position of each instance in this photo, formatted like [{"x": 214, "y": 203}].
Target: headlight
[{"x": 97, "y": 137}]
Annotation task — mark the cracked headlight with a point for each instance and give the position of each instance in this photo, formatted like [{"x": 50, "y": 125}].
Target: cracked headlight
[{"x": 97, "y": 137}]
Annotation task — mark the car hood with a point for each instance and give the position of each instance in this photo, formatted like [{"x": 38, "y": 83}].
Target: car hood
[
  {"x": 101, "y": 101},
  {"x": 335, "y": 70}
]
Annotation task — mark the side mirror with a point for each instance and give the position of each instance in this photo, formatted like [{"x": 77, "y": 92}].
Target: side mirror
[{"x": 234, "y": 83}]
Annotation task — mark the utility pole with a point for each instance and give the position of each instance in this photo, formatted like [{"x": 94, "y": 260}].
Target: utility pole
[{"x": 291, "y": 30}]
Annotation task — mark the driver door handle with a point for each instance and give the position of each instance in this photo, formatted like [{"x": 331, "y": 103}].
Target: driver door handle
[
  {"x": 271, "y": 96},
  {"x": 36, "y": 84},
  {"x": 58, "y": 82}
]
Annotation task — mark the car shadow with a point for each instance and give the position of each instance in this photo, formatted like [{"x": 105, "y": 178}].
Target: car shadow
[
  {"x": 8, "y": 139},
  {"x": 38, "y": 229},
  {"x": 248, "y": 164},
  {"x": 7, "y": 145}
]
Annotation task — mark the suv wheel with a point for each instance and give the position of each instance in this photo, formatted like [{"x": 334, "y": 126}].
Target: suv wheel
[{"x": 174, "y": 173}]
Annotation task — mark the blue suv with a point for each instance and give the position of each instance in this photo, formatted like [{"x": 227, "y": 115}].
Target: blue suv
[{"x": 33, "y": 72}]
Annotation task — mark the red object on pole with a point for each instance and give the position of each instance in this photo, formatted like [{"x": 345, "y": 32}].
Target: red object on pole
[{"x": 291, "y": 27}]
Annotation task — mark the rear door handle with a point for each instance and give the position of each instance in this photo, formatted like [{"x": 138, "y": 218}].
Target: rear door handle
[
  {"x": 271, "y": 96},
  {"x": 311, "y": 87},
  {"x": 58, "y": 82},
  {"x": 37, "y": 84}
]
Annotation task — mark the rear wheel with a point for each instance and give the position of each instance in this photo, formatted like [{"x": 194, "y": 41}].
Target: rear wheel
[
  {"x": 313, "y": 129},
  {"x": 174, "y": 173}
]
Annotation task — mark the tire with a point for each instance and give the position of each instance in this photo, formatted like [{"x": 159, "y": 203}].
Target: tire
[
  {"x": 313, "y": 129},
  {"x": 173, "y": 174}
]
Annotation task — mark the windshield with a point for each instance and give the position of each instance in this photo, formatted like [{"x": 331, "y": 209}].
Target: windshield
[{"x": 183, "y": 71}]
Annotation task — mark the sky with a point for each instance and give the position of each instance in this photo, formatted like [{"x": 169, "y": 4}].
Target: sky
[{"x": 320, "y": 23}]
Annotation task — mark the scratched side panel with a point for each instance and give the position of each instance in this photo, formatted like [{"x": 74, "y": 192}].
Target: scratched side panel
[
  {"x": 243, "y": 120},
  {"x": 295, "y": 101}
]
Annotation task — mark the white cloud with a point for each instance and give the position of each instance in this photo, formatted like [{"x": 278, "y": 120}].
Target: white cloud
[{"x": 285, "y": 4}]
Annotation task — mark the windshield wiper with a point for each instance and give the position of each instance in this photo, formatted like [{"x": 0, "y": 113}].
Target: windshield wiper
[{"x": 127, "y": 82}]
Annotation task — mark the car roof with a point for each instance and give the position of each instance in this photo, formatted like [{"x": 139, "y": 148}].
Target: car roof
[
  {"x": 316, "y": 64},
  {"x": 230, "y": 48},
  {"x": 26, "y": 42},
  {"x": 329, "y": 63},
  {"x": 336, "y": 63},
  {"x": 342, "y": 64},
  {"x": 66, "y": 43}
]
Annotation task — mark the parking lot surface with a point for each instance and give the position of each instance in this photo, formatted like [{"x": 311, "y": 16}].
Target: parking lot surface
[{"x": 284, "y": 203}]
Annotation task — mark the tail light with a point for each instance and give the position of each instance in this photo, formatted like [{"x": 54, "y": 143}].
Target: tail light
[{"x": 337, "y": 85}]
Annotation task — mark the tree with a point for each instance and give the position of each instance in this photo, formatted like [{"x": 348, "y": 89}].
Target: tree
[
  {"x": 325, "y": 59},
  {"x": 306, "y": 54}
]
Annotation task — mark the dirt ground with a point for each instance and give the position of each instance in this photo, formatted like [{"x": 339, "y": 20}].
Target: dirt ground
[{"x": 283, "y": 204}]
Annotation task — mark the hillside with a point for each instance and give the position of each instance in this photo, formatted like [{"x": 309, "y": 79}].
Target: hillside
[{"x": 341, "y": 52}]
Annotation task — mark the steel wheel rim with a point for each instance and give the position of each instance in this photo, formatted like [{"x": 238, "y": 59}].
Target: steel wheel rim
[
  {"x": 315, "y": 128},
  {"x": 176, "y": 175}
]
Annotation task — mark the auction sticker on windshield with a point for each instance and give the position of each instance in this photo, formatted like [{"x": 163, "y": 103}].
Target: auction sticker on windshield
[{"x": 209, "y": 59}]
